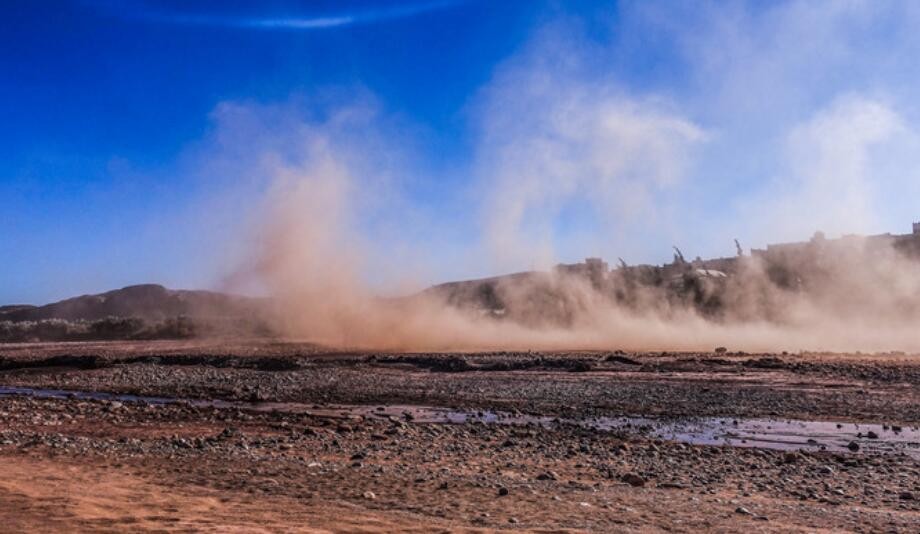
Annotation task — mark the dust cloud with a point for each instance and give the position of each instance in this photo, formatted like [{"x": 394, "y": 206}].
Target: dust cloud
[
  {"x": 568, "y": 163},
  {"x": 844, "y": 295}
]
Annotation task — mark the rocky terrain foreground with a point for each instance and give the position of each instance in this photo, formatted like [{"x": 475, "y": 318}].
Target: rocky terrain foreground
[{"x": 271, "y": 437}]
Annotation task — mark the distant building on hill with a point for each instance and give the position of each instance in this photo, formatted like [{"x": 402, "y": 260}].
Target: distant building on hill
[
  {"x": 905, "y": 243},
  {"x": 787, "y": 264}
]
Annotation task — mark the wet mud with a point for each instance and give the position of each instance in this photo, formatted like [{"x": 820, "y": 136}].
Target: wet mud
[{"x": 789, "y": 435}]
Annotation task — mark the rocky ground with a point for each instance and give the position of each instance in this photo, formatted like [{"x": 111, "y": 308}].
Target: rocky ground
[{"x": 82, "y": 463}]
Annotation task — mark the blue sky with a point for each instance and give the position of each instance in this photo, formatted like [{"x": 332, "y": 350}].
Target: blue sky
[{"x": 483, "y": 136}]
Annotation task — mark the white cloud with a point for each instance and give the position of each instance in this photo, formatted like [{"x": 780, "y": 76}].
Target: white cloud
[{"x": 143, "y": 11}]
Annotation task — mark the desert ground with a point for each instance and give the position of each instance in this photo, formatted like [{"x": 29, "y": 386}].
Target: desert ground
[{"x": 259, "y": 436}]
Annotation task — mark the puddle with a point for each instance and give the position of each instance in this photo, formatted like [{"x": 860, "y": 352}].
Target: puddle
[{"x": 783, "y": 434}]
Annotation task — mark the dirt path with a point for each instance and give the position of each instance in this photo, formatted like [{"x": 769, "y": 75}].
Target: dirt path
[{"x": 45, "y": 495}]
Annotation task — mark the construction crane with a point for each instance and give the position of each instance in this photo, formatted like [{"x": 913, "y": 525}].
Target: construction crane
[{"x": 679, "y": 257}]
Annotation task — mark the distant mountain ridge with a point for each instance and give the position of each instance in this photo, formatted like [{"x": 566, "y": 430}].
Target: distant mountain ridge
[{"x": 151, "y": 302}]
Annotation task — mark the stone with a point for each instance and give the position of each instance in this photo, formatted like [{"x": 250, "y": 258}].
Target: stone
[{"x": 633, "y": 480}]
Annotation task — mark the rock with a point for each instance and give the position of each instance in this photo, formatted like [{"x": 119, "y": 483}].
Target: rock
[
  {"x": 513, "y": 520},
  {"x": 229, "y": 432},
  {"x": 502, "y": 491},
  {"x": 369, "y": 495},
  {"x": 743, "y": 511},
  {"x": 619, "y": 358},
  {"x": 853, "y": 446},
  {"x": 672, "y": 485},
  {"x": 826, "y": 470},
  {"x": 633, "y": 480},
  {"x": 549, "y": 475},
  {"x": 872, "y": 435},
  {"x": 906, "y": 496}
]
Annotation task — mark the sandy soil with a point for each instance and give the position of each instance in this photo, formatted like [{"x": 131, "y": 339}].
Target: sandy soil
[{"x": 117, "y": 464}]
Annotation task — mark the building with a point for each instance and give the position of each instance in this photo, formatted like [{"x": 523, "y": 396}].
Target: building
[{"x": 819, "y": 244}]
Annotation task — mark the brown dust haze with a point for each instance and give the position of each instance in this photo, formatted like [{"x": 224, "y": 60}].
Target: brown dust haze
[
  {"x": 336, "y": 241},
  {"x": 862, "y": 295}
]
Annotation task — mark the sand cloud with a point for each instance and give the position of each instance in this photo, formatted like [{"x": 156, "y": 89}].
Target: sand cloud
[
  {"x": 570, "y": 160},
  {"x": 553, "y": 141}
]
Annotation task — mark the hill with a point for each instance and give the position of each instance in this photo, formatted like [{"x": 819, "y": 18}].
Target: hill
[{"x": 150, "y": 302}]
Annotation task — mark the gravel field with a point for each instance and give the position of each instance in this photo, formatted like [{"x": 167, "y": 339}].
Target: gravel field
[{"x": 255, "y": 436}]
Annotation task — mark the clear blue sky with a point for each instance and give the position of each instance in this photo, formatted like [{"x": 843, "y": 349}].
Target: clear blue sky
[{"x": 108, "y": 109}]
